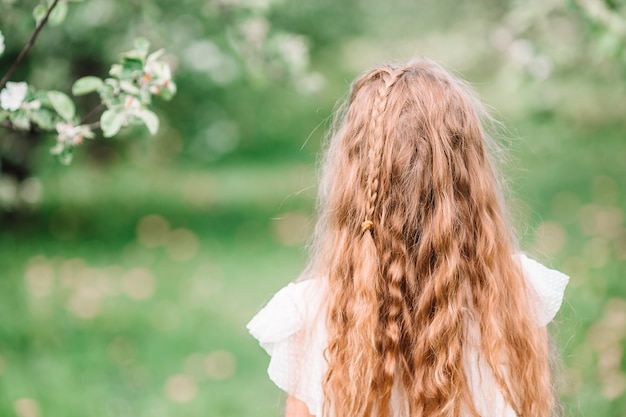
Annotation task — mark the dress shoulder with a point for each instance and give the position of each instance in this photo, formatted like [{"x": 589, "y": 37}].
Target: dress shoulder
[
  {"x": 548, "y": 284},
  {"x": 292, "y": 330},
  {"x": 281, "y": 317}
]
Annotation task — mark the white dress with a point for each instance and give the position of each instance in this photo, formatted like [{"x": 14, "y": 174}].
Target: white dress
[{"x": 292, "y": 329}]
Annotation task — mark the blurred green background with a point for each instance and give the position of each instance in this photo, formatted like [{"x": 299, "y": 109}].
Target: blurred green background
[{"x": 128, "y": 277}]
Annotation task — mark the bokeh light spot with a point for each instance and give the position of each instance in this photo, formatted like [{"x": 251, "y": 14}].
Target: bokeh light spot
[
  {"x": 576, "y": 268},
  {"x": 152, "y": 230},
  {"x": 180, "y": 388},
  {"x": 87, "y": 286},
  {"x": 597, "y": 252},
  {"x": 220, "y": 364},
  {"x": 614, "y": 385},
  {"x": 565, "y": 205},
  {"x": 206, "y": 282},
  {"x": 102, "y": 282},
  {"x": 609, "y": 222},
  {"x": 138, "y": 283},
  {"x": 84, "y": 302},
  {"x": 550, "y": 238},
  {"x": 615, "y": 316},
  {"x": 27, "y": 407},
  {"x": 604, "y": 190},
  {"x": 604, "y": 221},
  {"x": 291, "y": 228},
  {"x": 199, "y": 189},
  {"x": 137, "y": 254},
  {"x": 39, "y": 279},
  {"x": 182, "y": 245},
  {"x": 620, "y": 245},
  {"x": 194, "y": 366},
  {"x": 587, "y": 217},
  {"x": 70, "y": 270},
  {"x": 8, "y": 190},
  {"x": 605, "y": 337},
  {"x": 31, "y": 191}
]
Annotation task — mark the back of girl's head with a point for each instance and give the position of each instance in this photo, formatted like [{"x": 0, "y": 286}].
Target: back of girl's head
[
  {"x": 409, "y": 155},
  {"x": 413, "y": 241}
]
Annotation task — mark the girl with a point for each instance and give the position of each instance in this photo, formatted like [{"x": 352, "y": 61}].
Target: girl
[{"x": 415, "y": 301}]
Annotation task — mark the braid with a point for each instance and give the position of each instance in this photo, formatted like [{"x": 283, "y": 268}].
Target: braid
[{"x": 377, "y": 141}]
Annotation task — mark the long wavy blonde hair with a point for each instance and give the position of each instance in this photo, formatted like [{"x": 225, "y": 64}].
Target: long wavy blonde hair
[{"x": 413, "y": 238}]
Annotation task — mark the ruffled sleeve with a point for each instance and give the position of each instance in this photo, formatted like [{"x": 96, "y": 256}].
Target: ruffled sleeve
[
  {"x": 549, "y": 284},
  {"x": 291, "y": 329}
]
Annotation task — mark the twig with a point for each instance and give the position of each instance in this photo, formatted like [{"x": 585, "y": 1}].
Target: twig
[
  {"x": 93, "y": 125},
  {"x": 92, "y": 113},
  {"x": 8, "y": 125},
  {"x": 28, "y": 45}
]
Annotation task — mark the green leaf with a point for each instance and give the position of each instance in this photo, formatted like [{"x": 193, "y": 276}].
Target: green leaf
[
  {"x": 58, "y": 14},
  {"x": 3, "y": 115},
  {"x": 166, "y": 94},
  {"x": 42, "y": 97},
  {"x": 86, "y": 85},
  {"x": 150, "y": 119},
  {"x": 111, "y": 122},
  {"x": 62, "y": 104},
  {"x": 116, "y": 70},
  {"x": 39, "y": 12},
  {"x": 130, "y": 63},
  {"x": 128, "y": 87},
  {"x": 107, "y": 93},
  {"x": 20, "y": 120},
  {"x": 66, "y": 155},
  {"x": 155, "y": 55},
  {"x": 57, "y": 149},
  {"x": 87, "y": 132},
  {"x": 142, "y": 45},
  {"x": 43, "y": 119}
]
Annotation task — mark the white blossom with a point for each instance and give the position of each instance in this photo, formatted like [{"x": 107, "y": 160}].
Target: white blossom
[
  {"x": 156, "y": 74},
  {"x": 131, "y": 105},
  {"x": 68, "y": 134},
  {"x": 13, "y": 95},
  {"x": 1, "y": 43},
  {"x": 293, "y": 50},
  {"x": 132, "y": 108},
  {"x": 255, "y": 31}
]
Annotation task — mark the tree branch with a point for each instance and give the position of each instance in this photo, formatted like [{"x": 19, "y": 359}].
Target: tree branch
[
  {"x": 28, "y": 46},
  {"x": 92, "y": 113}
]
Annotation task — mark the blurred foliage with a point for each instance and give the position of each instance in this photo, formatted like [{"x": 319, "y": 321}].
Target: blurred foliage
[{"x": 128, "y": 277}]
